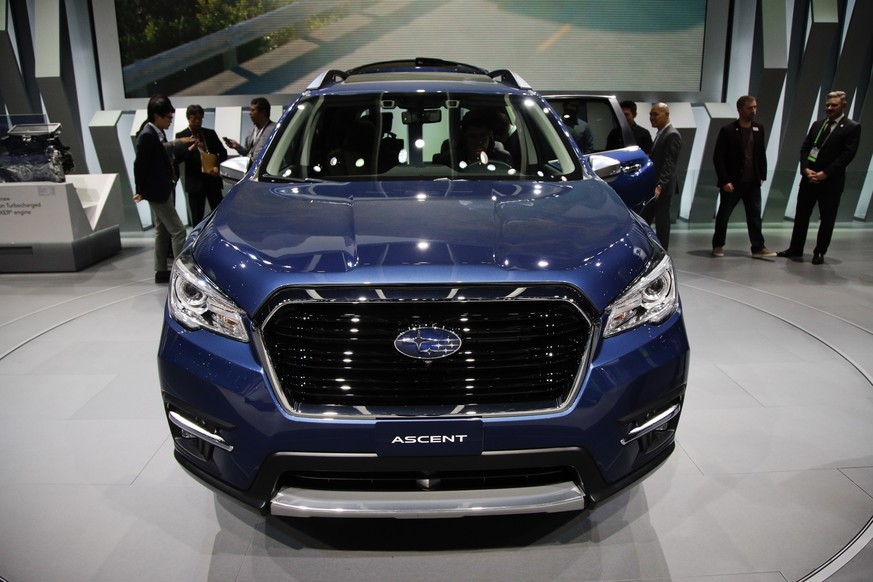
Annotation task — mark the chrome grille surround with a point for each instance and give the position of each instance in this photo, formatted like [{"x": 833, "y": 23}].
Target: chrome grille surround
[{"x": 329, "y": 351}]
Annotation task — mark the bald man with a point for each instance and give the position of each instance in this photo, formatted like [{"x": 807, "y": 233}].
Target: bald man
[{"x": 665, "y": 156}]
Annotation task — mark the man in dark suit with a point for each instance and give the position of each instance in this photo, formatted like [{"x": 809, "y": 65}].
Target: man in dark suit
[
  {"x": 828, "y": 148},
  {"x": 741, "y": 167},
  {"x": 201, "y": 186},
  {"x": 665, "y": 157},
  {"x": 155, "y": 179}
]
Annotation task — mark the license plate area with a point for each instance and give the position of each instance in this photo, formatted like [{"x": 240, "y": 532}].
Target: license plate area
[{"x": 397, "y": 438}]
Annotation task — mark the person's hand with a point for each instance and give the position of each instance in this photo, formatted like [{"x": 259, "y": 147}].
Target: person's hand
[
  {"x": 817, "y": 177},
  {"x": 657, "y": 191},
  {"x": 729, "y": 187},
  {"x": 137, "y": 197},
  {"x": 231, "y": 143}
]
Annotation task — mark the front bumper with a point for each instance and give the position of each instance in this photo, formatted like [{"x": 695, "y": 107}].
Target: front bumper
[{"x": 621, "y": 426}]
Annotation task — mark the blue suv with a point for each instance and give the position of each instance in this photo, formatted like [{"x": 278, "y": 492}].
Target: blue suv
[{"x": 422, "y": 301}]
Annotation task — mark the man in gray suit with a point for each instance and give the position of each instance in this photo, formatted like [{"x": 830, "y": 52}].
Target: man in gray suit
[
  {"x": 262, "y": 127},
  {"x": 665, "y": 156}
]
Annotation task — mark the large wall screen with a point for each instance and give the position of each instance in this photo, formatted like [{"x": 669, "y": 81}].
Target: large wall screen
[{"x": 258, "y": 47}]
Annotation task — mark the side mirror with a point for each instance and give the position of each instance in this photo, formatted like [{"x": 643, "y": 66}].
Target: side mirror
[
  {"x": 604, "y": 166},
  {"x": 234, "y": 169}
]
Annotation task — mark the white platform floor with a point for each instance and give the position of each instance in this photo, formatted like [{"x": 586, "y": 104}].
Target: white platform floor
[{"x": 772, "y": 478}]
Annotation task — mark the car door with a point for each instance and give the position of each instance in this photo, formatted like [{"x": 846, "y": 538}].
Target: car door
[{"x": 606, "y": 133}]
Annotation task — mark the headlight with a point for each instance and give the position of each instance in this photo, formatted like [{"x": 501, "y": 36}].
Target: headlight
[
  {"x": 652, "y": 298},
  {"x": 196, "y": 302}
]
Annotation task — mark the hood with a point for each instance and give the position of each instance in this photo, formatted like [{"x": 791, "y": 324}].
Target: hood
[{"x": 402, "y": 232}]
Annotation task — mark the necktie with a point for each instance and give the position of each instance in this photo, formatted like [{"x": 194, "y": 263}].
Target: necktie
[{"x": 827, "y": 131}]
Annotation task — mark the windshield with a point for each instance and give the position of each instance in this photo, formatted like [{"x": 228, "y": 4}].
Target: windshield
[{"x": 415, "y": 136}]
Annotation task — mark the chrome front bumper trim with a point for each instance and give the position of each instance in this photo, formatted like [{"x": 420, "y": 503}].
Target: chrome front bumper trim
[
  {"x": 293, "y": 502},
  {"x": 652, "y": 424},
  {"x": 197, "y": 431}
]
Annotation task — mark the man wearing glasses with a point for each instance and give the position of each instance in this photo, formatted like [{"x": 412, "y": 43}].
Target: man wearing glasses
[{"x": 155, "y": 178}]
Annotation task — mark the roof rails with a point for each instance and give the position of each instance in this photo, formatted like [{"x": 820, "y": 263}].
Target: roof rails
[
  {"x": 332, "y": 76},
  {"x": 508, "y": 77},
  {"x": 326, "y": 78}
]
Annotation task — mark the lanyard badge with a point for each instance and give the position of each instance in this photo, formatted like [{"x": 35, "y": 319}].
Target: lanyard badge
[{"x": 813, "y": 153}]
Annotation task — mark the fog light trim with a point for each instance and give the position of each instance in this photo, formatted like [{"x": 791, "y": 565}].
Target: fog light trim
[
  {"x": 652, "y": 424},
  {"x": 198, "y": 432}
]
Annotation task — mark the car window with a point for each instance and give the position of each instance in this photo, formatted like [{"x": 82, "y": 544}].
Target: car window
[
  {"x": 592, "y": 121},
  {"x": 604, "y": 125},
  {"x": 413, "y": 136}
]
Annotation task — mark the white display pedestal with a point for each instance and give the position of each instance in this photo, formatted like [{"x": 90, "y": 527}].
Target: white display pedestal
[{"x": 46, "y": 226}]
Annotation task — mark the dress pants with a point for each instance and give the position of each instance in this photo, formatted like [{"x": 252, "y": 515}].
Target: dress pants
[
  {"x": 169, "y": 230},
  {"x": 828, "y": 203},
  {"x": 659, "y": 211},
  {"x": 197, "y": 202},
  {"x": 750, "y": 194}
]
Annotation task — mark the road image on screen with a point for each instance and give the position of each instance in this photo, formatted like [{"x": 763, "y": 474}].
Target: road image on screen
[{"x": 257, "y": 47}]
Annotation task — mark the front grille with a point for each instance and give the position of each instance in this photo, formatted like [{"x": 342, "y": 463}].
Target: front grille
[{"x": 518, "y": 354}]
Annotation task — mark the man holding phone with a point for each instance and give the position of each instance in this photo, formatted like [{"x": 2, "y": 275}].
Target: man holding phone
[{"x": 259, "y": 112}]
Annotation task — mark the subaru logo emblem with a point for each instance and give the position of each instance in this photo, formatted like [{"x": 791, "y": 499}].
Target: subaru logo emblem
[{"x": 427, "y": 343}]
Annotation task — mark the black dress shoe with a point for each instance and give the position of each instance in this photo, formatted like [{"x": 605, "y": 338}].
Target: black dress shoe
[
  {"x": 162, "y": 277},
  {"x": 817, "y": 259},
  {"x": 789, "y": 254}
]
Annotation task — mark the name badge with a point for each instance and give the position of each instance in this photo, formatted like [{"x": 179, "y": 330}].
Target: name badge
[{"x": 813, "y": 154}]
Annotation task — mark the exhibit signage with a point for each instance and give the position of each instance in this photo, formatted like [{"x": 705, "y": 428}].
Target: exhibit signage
[{"x": 37, "y": 212}]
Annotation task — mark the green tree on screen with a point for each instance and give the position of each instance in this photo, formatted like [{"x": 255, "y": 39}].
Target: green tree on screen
[{"x": 150, "y": 27}]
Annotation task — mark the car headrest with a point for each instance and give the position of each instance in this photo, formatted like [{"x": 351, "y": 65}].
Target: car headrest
[{"x": 387, "y": 120}]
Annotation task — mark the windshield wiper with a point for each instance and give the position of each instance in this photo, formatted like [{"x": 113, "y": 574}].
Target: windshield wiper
[{"x": 291, "y": 179}]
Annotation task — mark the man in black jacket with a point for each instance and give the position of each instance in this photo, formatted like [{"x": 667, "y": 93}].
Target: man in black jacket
[
  {"x": 201, "y": 185},
  {"x": 155, "y": 178},
  {"x": 828, "y": 148},
  {"x": 741, "y": 166},
  {"x": 641, "y": 134}
]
